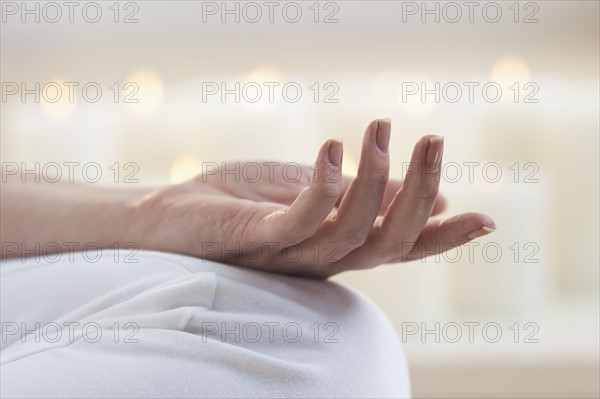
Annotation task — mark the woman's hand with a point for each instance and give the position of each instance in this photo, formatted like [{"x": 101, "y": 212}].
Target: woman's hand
[{"x": 309, "y": 221}]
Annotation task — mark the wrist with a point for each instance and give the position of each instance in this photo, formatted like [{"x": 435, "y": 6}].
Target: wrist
[{"x": 109, "y": 217}]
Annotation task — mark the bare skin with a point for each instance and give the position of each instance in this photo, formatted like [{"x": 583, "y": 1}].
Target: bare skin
[{"x": 317, "y": 224}]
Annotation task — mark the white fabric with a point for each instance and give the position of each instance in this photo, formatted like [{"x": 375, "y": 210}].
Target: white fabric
[{"x": 182, "y": 307}]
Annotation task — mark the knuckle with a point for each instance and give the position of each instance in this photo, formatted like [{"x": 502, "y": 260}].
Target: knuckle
[
  {"x": 354, "y": 239},
  {"x": 379, "y": 175},
  {"x": 328, "y": 191},
  {"x": 376, "y": 173},
  {"x": 296, "y": 233},
  {"x": 429, "y": 192}
]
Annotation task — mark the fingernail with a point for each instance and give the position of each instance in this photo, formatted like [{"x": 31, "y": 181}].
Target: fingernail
[
  {"x": 434, "y": 152},
  {"x": 384, "y": 128},
  {"x": 336, "y": 149},
  {"x": 480, "y": 232}
]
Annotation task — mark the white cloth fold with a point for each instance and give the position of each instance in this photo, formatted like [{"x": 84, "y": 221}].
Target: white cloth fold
[{"x": 176, "y": 326}]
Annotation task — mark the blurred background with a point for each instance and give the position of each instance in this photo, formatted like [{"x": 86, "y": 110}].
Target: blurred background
[{"x": 513, "y": 87}]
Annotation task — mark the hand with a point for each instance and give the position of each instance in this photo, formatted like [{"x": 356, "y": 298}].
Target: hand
[{"x": 309, "y": 221}]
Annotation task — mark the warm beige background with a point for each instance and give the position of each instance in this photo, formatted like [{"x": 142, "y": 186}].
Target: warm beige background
[{"x": 368, "y": 54}]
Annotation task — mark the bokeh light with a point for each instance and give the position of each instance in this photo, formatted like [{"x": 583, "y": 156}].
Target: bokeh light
[
  {"x": 510, "y": 69},
  {"x": 150, "y": 95},
  {"x": 254, "y": 85},
  {"x": 184, "y": 168},
  {"x": 57, "y": 100}
]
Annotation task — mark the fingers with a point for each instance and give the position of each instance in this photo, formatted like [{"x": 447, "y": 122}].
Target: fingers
[
  {"x": 412, "y": 206},
  {"x": 438, "y": 237},
  {"x": 392, "y": 189},
  {"x": 358, "y": 210},
  {"x": 314, "y": 203},
  {"x": 407, "y": 214},
  {"x": 354, "y": 237}
]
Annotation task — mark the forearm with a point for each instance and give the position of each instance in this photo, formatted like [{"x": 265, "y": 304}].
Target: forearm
[{"x": 47, "y": 217}]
